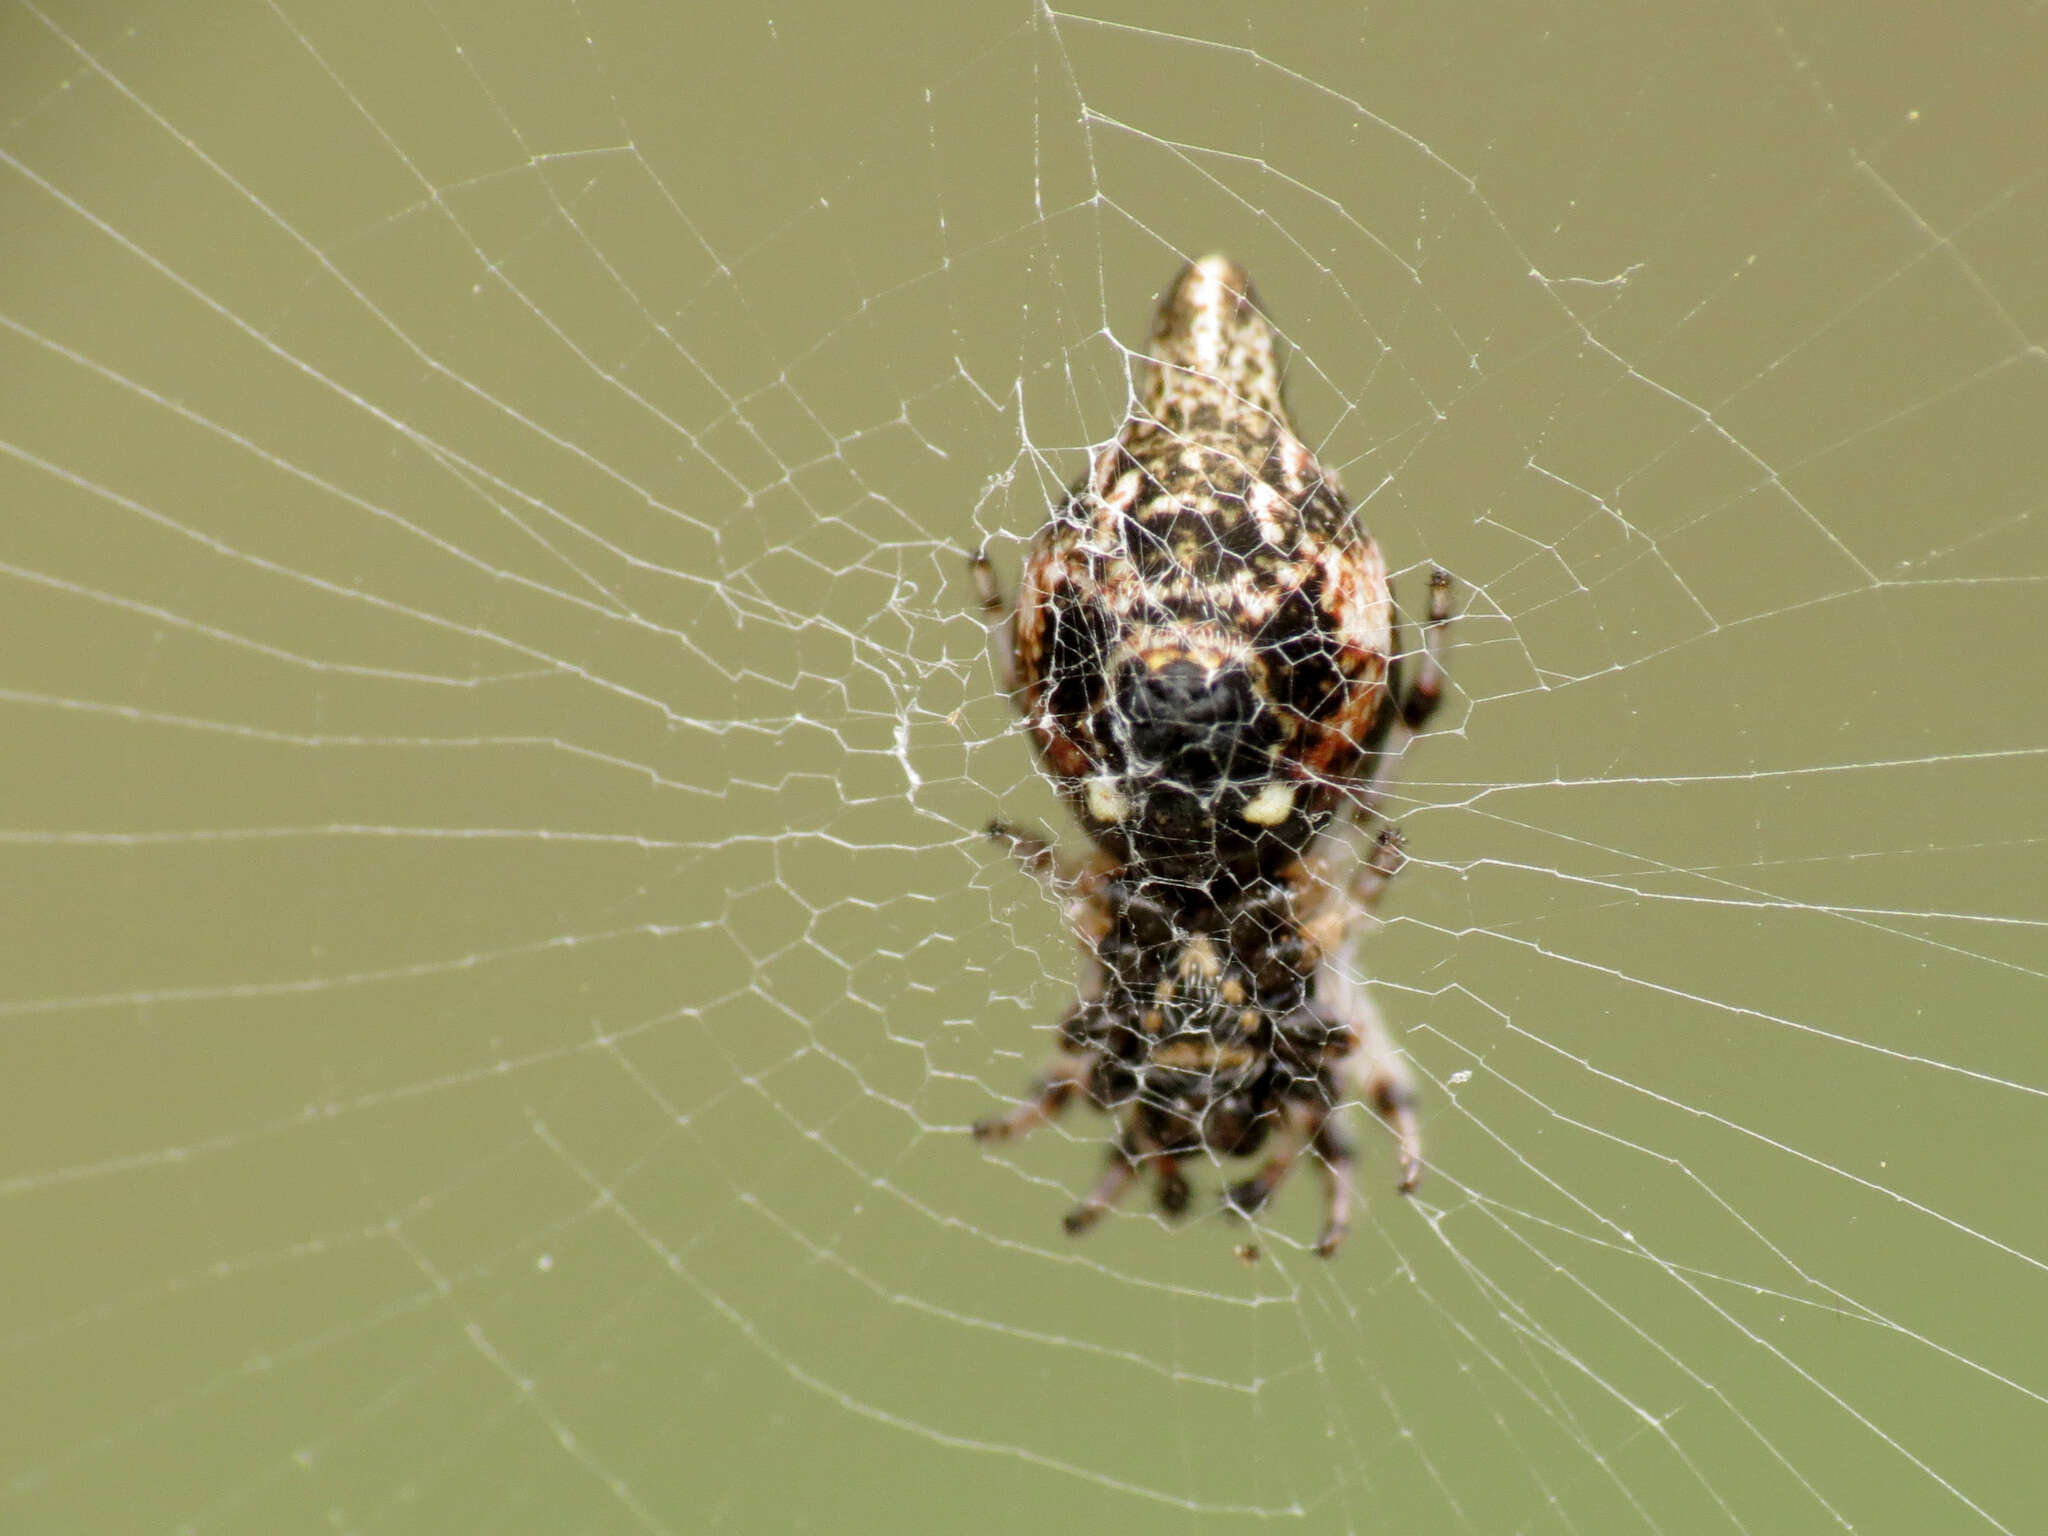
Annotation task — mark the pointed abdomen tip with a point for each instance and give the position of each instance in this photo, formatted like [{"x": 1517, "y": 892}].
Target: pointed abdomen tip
[{"x": 1211, "y": 273}]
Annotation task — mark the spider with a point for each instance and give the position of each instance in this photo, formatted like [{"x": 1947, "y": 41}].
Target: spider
[{"x": 1202, "y": 650}]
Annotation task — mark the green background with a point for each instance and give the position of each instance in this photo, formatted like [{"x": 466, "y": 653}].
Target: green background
[{"x": 500, "y": 961}]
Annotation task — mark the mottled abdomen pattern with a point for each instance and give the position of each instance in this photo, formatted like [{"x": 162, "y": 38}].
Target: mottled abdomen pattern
[{"x": 1203, "y": 629}]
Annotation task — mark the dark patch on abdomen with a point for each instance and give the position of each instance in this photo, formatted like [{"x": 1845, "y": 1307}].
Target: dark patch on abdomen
[
  {"x": 1077, "y": 639},
  {"x": 1301, "y": 656}
]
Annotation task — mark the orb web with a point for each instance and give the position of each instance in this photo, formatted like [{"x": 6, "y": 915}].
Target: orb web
[{"x": 504, "y": 953}]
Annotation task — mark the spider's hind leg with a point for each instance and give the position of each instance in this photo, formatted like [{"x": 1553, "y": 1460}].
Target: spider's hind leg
[
  {"x": 1426, "y": 690},
  {"x": 999, "y": 615},
  {"x": 1416, "y": 702}
]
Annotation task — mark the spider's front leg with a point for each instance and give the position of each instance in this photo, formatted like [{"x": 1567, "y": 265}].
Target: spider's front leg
[
  {"x": 1372, "y": 1070},
  {"x": 1300, "y": 1121},
  {"x": 1311, "y": 1125},
  {"x": 1334, "y": 1150},
  {"x": 1130, "y": 1154},
  {"x": 1376, "y": 1073},
  {"x": 1065, "y": 1076},
  {"x": 1170, "y": 1191},
  {"x": 1124, "y": 1161}
]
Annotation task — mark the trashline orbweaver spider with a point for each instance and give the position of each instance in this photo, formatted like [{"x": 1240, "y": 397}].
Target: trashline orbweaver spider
[{"x": 1202, "y": 650}]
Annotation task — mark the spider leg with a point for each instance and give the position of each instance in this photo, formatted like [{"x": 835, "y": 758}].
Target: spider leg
[
  {"x": 1171, "y": 1192},
  {"x": 1373, "y": 1070},
  {"x": 1388, "y": 855},
  {"x": 1417, "y": 702},
  {"x": 1126, "y": 1154},
  {"x": 997, "y": 613},
  {"x": 1039, "y": 858},
  {"x": 1301, "y": 1122},
  {"x": 1336, "y": 1153},
  {"x": 1387, "y": 1088},
  {"x": 1065, "y": 1076},
  {"x": 1426, "y": 691}
]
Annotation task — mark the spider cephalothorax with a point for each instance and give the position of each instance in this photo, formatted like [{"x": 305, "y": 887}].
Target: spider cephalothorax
[{"x": 1203, "y": 652}]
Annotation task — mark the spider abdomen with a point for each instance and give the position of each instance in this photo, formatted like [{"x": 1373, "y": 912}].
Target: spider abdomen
[{"x": 1204, "y": 632}]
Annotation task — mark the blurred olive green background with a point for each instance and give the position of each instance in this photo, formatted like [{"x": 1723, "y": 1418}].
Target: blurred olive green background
[{"x": 500, "y": 960}]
